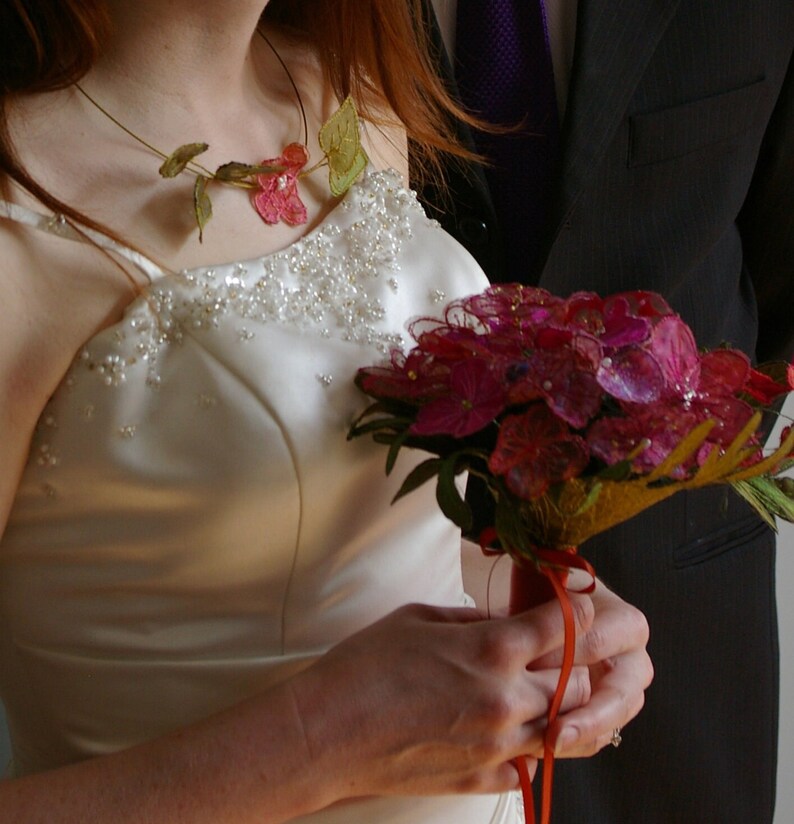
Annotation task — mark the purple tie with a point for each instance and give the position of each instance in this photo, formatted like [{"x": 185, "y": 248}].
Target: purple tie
[{"x": 505, "y": 75}]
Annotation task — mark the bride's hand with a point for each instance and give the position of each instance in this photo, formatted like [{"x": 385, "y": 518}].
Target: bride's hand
[
  {"x": 431, "y": 700},
  {"x": 614, "y": 649}
]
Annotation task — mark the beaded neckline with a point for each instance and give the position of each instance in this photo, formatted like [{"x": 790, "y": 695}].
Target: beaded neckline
[{"x": 58, "y": 225}]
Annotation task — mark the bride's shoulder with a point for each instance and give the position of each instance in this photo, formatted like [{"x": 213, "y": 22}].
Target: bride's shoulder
[
  {"x": 55, "y": 293},
  {"x": 386, "y": 144},
  {"x": 26, "y": 355}
]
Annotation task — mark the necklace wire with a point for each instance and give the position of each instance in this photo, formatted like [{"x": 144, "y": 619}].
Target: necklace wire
[
  {"x": 195, "y": 163},
  {"x": 292, "y": 83},
  {"x": 124, "y": 128}
]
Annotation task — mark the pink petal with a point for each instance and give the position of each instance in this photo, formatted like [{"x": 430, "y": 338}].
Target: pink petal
[
  {"x": 763, "y": 388},
  {"x": 444, "y": 416},
  {"x": 647, "y": 304},
  {"x": 520, "y": 435},
  {"x": 673, "y": 346},
  {"x": 723, "y": 371},
  {"x": 293, "y": 210},
  {"x": 295, "y": 156},
  {"x": 631, "y": 375},
  {"x": 572, "y": 393},
  {"x": 730, "y": 414},
  {"x": 475, "y": 398},
  {"x": 278, "y": 199}
]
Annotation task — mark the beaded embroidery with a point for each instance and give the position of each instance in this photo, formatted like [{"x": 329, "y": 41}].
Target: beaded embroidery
[
  {"x": 323, "y": 280},
  {"x": 331, "y": 281}
]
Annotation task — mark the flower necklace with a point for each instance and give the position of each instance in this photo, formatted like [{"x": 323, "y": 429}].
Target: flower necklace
[{"x": 273, "y": 183}]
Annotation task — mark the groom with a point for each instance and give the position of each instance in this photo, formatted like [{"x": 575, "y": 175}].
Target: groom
[{"x": 666, "y": 163}]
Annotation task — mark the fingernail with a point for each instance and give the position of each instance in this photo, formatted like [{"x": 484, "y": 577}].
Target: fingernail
[{"x": 566, "y": 739}]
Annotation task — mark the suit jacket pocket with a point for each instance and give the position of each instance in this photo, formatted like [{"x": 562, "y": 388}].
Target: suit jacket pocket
[
  {"x": 664, "y": 135},
  {"x": 731, "y": 536}
]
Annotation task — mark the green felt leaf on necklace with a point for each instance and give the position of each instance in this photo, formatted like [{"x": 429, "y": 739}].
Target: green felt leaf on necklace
[
  {"x": 177, "y": 161},
  {"x": 202, "y": 205},
  {"x": 340, "y": 140},
  {"x": 235, "y": 172}
]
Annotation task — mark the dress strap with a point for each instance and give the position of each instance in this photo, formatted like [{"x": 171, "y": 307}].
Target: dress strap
[{"x": 58, "y": 225}]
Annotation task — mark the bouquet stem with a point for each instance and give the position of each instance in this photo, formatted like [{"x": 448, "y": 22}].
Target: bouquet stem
[{"x": 531, "y": 586}]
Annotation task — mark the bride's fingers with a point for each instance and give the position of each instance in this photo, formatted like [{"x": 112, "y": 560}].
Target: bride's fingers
[
  {"x": 577, "y": 691},
  {"x": 542, "y": 629},
  {"x": 618, "y": 695},
  {"x": 527, "y": 734},
  {"x": 618, "y": 627}
]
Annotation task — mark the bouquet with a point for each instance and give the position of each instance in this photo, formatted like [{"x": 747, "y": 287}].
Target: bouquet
[{"x": 576, "y": 414}]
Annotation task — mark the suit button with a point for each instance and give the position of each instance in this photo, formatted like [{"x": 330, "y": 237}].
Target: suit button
[{"x": 473, "y": 230}]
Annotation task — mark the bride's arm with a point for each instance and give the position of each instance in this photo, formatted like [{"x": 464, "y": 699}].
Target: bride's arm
[{"x": 426, "y": 701}]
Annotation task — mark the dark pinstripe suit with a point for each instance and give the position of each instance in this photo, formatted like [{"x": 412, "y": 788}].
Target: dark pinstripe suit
[{"x": 678, "y": 176}]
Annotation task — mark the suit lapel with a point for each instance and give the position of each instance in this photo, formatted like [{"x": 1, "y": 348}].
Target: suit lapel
[{"x": 614, "y": 42}]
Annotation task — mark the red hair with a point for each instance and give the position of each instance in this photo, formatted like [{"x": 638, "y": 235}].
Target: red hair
[{"x": 378, "y": 52}]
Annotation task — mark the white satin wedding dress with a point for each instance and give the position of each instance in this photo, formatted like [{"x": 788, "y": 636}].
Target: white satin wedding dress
[{"x": 193, "y": 525}]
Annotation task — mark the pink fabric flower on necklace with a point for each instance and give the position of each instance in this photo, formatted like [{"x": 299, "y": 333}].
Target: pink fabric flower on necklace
[{"x": 277, "y": 197}]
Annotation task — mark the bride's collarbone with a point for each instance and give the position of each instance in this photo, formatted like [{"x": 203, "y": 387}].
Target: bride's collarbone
[
  {"x": 106, "y": 175},
  {"x": 157, "y": 216}
]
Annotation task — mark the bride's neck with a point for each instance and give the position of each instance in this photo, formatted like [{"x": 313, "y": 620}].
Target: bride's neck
[{"x": 193, "y": 54}]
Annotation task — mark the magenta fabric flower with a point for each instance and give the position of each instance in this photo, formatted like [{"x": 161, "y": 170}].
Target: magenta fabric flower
[
  {"x": 277, "y": 197},
  {"x": 512, "y": 305},
  {"x": 631, "y": 375},
  {"x": 673, "y": 346},
  {"x": 415, "y": 378},
  {"x": 695, "y": 388},
  {"x": 652, "y": 434},
  {"x": 535, "y": 450},
  {"x": 474, "y": 399},
  {"x": 567, "y": 379},
  {"x": 568, "y": 385}
]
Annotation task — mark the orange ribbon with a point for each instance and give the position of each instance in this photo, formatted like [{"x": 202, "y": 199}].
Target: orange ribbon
[{"x": 555, "y": 564}]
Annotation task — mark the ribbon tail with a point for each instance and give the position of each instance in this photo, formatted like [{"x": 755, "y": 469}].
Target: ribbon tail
[
  {"x": 569, "y": 647},
  {"x": 554, "y": 564},
  {"x": 526, "y": 789}
]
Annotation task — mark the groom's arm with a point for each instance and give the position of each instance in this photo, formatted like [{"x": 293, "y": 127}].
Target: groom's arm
[{"x": 767, "y": 227}]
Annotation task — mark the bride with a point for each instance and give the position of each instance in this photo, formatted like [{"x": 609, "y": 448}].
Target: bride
[{"x": 209, "y": 610}]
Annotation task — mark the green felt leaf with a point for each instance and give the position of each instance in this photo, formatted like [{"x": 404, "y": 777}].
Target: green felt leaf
[
  {"x": 448, "y": 496},
  {"x": 510, "y": 526},
  {"x": 394, "y": 451},
  {"x": 768, "y": 496},
  {"x": 590, "y": 499},
  {"x": 395, "y": 424},
  {"x": 235, "y": 172},
  {"x": 340, "y": 182},
  {"x": 202, "y": 205},
  {"x": 417, "y": 476},
  {"x": 177, "y": 161},
  {"x": 340, "y": 140}
]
